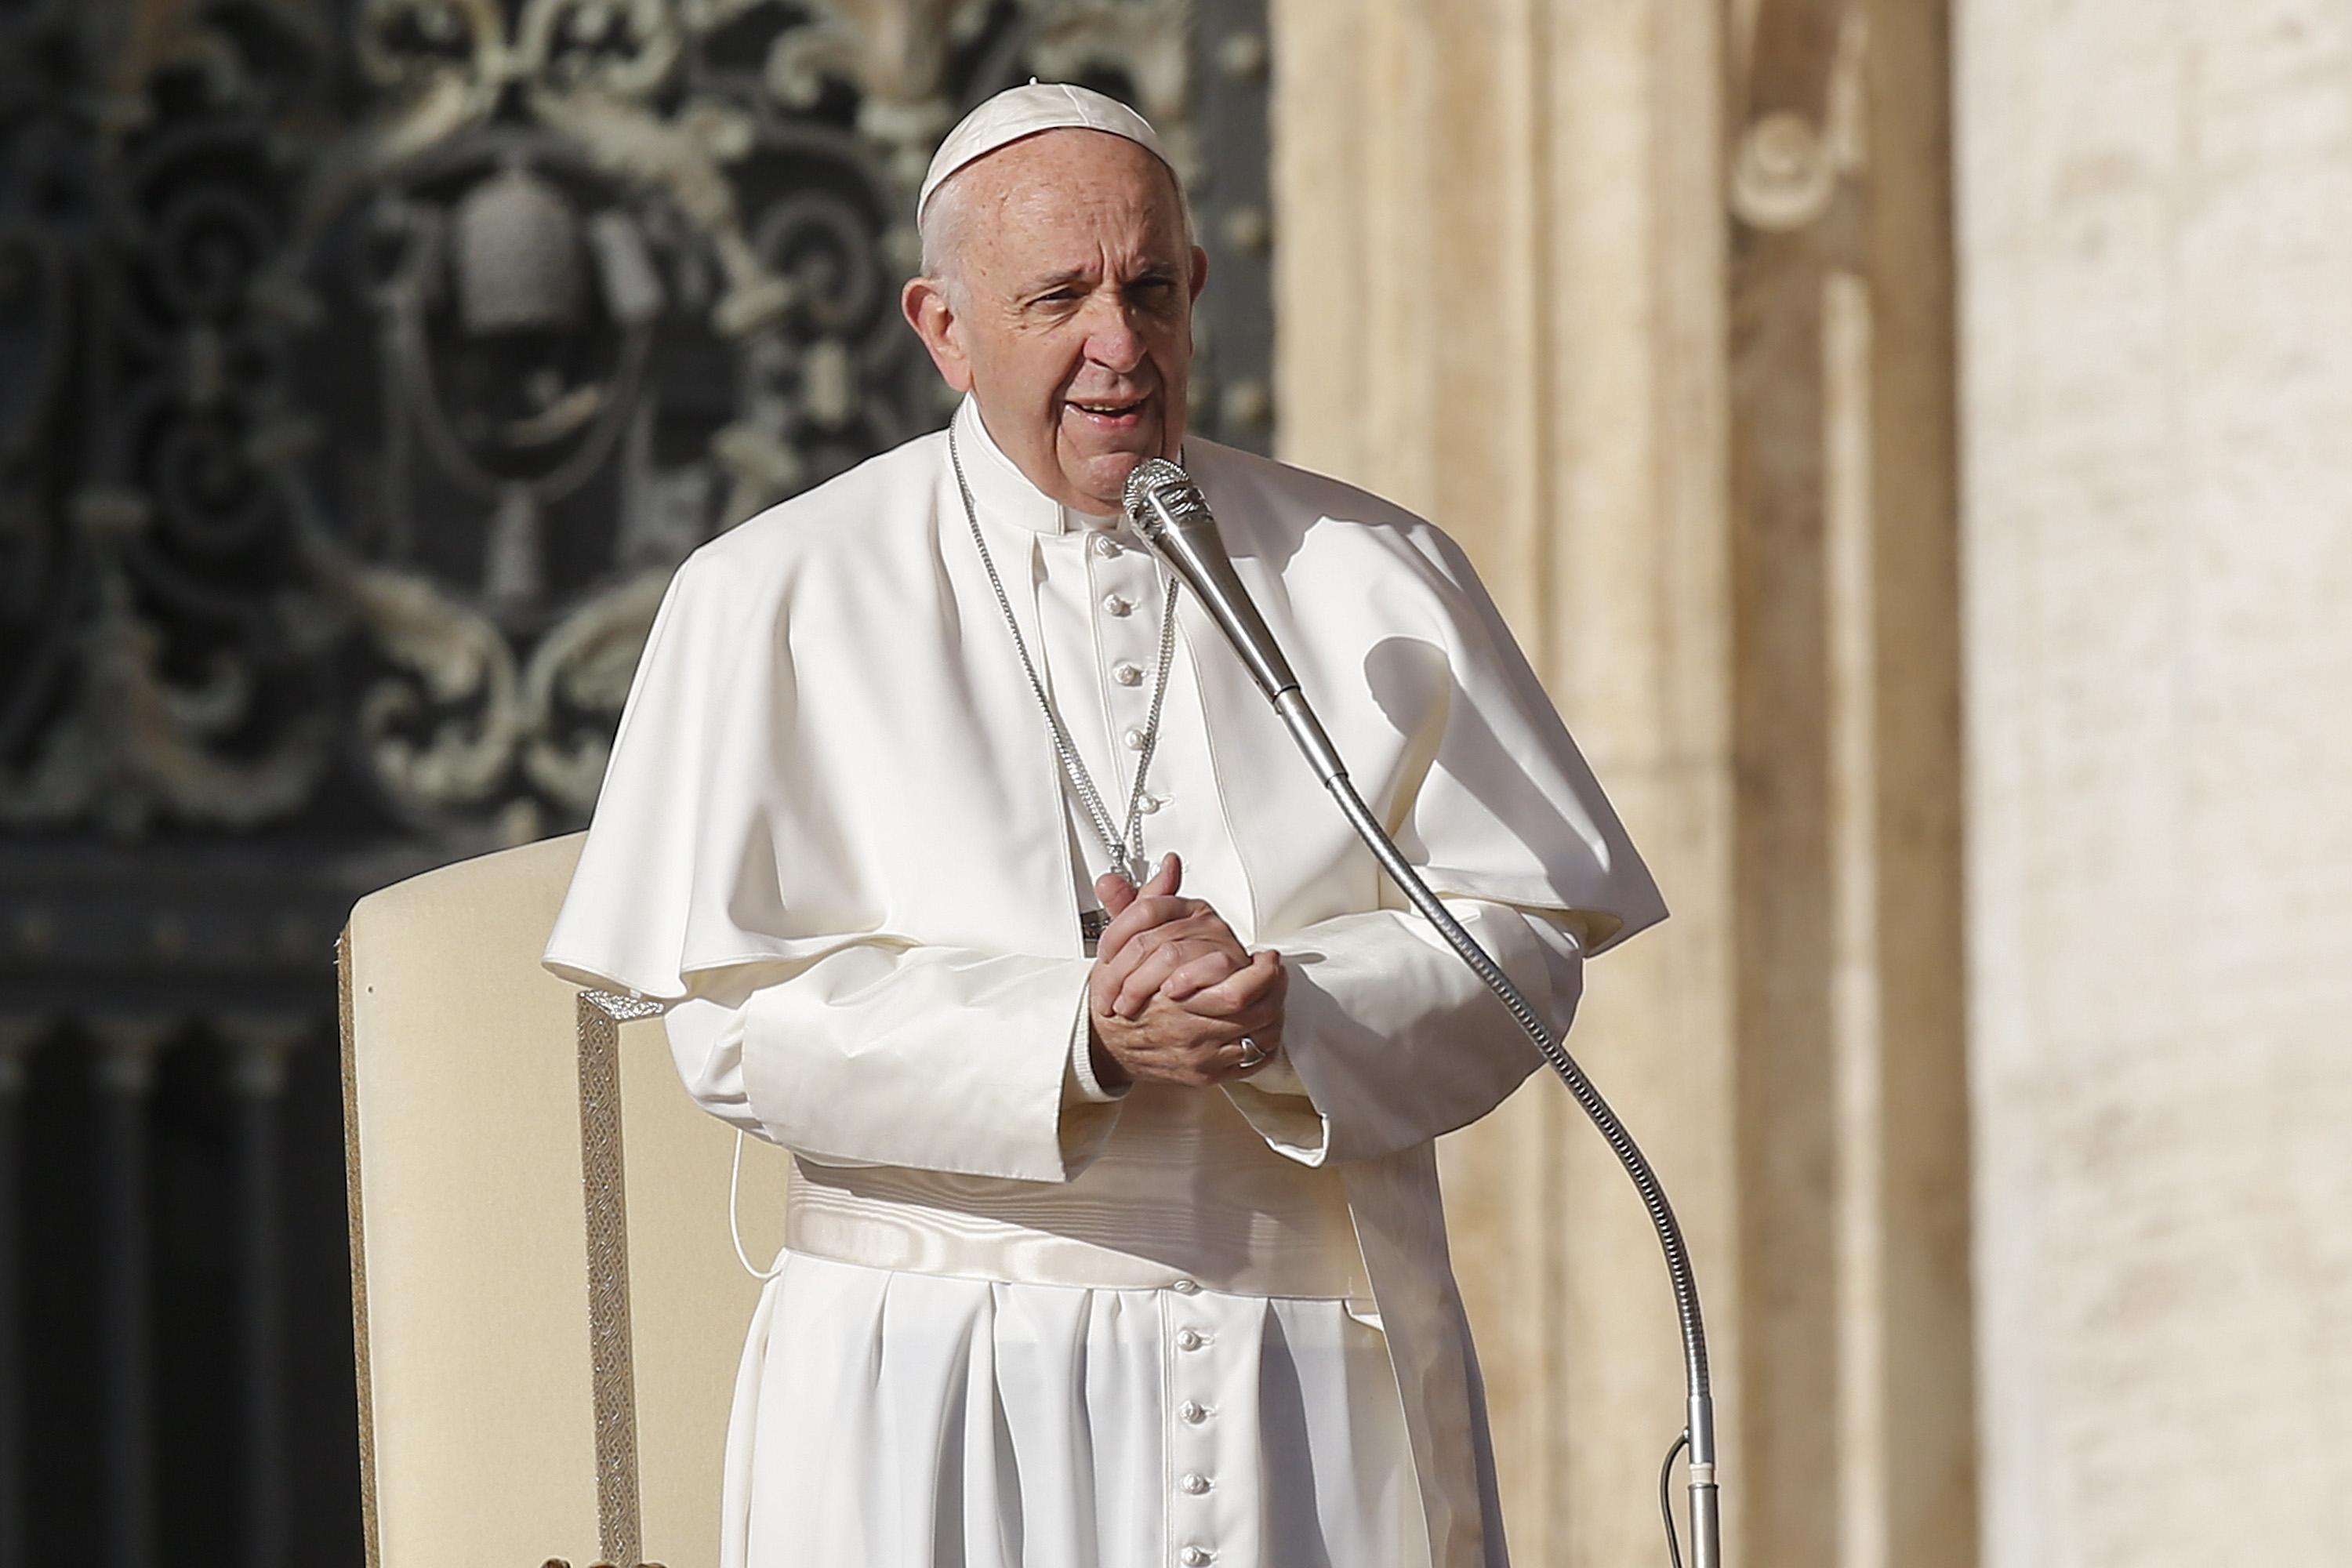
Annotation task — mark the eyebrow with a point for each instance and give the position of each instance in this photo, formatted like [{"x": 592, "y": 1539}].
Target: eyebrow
[
  {"x": 1157, "y": 271},
  {"x": 1054, "y": 281}
]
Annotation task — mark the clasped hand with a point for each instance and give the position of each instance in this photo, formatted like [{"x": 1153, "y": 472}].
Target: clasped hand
[{"x": 1173, "y": 992}]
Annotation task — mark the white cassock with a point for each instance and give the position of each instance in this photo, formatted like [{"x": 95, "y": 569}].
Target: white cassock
[{"x": 1017, "y": 1319}]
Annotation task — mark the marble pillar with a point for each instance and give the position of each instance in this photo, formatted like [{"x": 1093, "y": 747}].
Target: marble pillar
[
  {"x": 1649, "y": 303},
  {"x": 2157, "y": 234}
]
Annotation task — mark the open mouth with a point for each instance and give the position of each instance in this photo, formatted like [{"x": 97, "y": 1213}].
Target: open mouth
[{"x": 1110, "y": 413}]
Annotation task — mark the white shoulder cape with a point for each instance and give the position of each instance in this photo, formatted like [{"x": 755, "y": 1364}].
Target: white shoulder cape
[{"x": 830, "y": 739}]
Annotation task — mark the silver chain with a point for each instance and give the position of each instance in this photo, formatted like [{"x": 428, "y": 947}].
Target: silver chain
[{"x": 1124, "y": 844}]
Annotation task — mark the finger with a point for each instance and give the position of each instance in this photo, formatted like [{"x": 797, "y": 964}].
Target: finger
[
  {"x": 1113, "y": 965},
  {"x": 1117, "y": 953},
  {"x": 1263, "y": 1021},
  {"x": 1244, "y": 988},
  {"x": 1114, "y": 891},
  {"x": 1147, "y": 910},
  {"x": 1144, "y": 911},
  {"x": 1144, "y": 964},
  {"x": 1203, "y": 929},
  {"x": 1240, "y": 990},
  {"x": 1223, "y": 1063},
  {"x": 1262, "y": 1025},
  {"x": 1161, "y": 884},
  {"x": 1118, "y": 895},
  {"x": 1100, "y": 989},
  {"x": 1196, "y": 936},
  {"x": 1244, "y": 1069},
  {"x": 1196, "y": 915},
  {"x": 1202, "y": 973},
  {"x": 1136, "y": 991}
]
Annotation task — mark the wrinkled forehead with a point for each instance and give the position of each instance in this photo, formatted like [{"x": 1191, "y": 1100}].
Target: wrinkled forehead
[{"x": 1070, "y": 184}]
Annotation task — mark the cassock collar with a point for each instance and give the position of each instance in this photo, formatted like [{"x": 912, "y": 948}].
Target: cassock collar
[{"x": 999, "y": 489}]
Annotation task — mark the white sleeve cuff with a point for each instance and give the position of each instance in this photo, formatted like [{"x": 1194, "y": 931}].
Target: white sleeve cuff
[{"x": 1082, "y": 1063}]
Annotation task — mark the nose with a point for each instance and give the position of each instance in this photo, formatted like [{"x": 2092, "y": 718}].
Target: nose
[{"x": 1112, "y": 340}]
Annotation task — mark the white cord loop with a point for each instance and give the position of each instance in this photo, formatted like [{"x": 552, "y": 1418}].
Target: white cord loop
[{"x": 735, "y": 1223}]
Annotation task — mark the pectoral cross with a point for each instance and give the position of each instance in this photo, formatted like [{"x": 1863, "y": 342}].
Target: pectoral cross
[{"x": 1092, "y": 923}]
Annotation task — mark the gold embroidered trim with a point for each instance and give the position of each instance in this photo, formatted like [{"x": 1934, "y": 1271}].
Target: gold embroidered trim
[
  {"x": 366, "y": 1390},
  {"x": 605, "y": 1193}
]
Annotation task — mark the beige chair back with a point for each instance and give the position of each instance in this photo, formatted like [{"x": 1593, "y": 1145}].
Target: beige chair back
[{"x": 548, "y": 1304}]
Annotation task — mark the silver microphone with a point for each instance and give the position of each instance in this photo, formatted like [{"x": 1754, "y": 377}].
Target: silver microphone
[
  {"x": 1168, "y": 510},
  {"x": 1173, "y": 517}
]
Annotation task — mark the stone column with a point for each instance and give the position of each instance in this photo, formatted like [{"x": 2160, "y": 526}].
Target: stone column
[
  {"x": 260, "y": 1049},
  {"x": 2158, "y": 239},
  {"x": 18, "y": 1036},
  {"x": 1648, "y": 303},
  {"x": 126, "y": 1526}
]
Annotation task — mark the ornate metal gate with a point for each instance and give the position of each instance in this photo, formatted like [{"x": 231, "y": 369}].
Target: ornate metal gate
[{"x": 365, "y": 366}]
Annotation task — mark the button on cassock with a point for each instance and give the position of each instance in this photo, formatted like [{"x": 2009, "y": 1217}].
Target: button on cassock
[
  {"x": 1126, "y": 672},
  {"x": 1190, "y": 1339},
  {"x": 1192, "y": 1412},
  {"x": 1196, "y": 1557}
]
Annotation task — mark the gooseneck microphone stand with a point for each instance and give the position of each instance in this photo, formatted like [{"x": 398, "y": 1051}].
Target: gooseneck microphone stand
[{"x": 1170, "y": 513}]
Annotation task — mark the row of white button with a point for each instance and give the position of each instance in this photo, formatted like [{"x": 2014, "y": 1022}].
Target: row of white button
[
  {"x": 1193, "y": 1413},
  {"x": 1127, "y": 672}
]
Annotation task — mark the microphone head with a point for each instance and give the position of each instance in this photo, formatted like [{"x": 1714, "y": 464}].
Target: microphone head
[
  {"x": 1161, "y": 495},
  {"x": 1173, "y": 517}
]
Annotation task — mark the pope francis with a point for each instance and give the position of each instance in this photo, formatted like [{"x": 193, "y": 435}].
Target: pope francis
[{"x": 972, "y": 870}]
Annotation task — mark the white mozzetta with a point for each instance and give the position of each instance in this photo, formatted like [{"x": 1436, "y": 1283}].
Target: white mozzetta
[{"x": 833, "y": 835}]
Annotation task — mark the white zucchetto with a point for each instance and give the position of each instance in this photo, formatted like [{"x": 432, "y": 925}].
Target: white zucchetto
[{"x": 1022, "y": 111}]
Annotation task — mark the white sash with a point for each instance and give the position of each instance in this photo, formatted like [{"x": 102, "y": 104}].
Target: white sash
[{"x": 1184, "y": 1191}]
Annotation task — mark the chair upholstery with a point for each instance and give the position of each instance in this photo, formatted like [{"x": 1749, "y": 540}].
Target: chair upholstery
[{"x": 470, "y": 1238}]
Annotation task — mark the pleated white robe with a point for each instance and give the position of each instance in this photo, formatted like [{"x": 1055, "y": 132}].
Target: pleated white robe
[
  {"x": 1033, "y": 1323},
  {"x": 915, "y": 1416}
]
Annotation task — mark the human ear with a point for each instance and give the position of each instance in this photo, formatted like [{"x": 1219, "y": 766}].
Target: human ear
[
  {"x": 1200, "y": 271},
  {"x": 929, "y": 312}
]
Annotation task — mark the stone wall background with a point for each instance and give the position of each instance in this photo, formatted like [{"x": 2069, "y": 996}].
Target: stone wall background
[
  {"x": 1648, "y": 302},
  {"x": 2155, "y": 241},
  {"x": 1915, "y": 443}
]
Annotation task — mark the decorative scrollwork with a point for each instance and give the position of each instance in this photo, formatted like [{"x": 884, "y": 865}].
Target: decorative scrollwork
[
  {"x": 365, "y": 369},
  {"x": 345, "y": 449}
]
